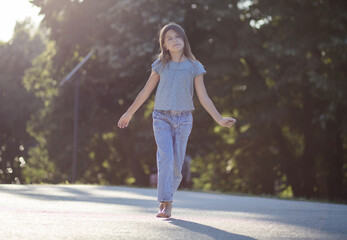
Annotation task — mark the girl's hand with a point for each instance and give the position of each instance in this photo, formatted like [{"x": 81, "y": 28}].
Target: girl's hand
[
  {"x": 124, "y": 120},
  {"x": 227, "y": 122}
]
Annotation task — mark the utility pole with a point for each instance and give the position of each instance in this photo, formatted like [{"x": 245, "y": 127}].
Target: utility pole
[{"x": 75, "y": 129}]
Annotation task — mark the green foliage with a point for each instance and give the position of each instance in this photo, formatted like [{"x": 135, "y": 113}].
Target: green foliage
[
  {"x": 38, "y": 80},
  {"x": 39, "y": 168}
]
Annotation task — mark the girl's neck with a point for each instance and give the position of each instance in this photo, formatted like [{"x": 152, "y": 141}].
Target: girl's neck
[{"x": 178, "y": 57}]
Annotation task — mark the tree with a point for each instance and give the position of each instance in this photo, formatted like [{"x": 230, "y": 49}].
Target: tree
[
  {"x": 304, "y": 62},
  {"x": 271, "y": 64},
  {"x": 16, "y": 103}
]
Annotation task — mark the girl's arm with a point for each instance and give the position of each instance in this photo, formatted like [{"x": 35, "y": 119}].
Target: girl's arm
[
  {"x": 207, "y": 103},
  {"x": 140, "y": 99}
]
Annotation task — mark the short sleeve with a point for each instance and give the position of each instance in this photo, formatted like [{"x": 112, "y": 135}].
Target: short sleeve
[
  {"x": 199, "y": 69},
  {"x": 156, "y": 66}
]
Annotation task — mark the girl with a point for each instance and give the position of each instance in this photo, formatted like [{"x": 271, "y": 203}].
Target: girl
[{"x": 177, "y": 71}]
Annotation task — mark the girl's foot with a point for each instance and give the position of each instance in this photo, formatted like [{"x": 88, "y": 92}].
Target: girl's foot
[
  {"x": 161, "y": 207},
  {"x": 165, "y": 210}
]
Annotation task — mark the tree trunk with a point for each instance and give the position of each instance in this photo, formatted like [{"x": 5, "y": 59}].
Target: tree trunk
[
  {"x": 307, "y": 169},
  {"x": 287, "y": 160},
  {"x": 335, "y": 159}
]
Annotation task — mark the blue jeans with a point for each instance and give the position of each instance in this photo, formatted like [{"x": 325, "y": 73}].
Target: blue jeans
[{"x": 171, "y": 132}]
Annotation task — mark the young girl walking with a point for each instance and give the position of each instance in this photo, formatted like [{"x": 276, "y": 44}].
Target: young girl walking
[{"x": 177, "y": 72}]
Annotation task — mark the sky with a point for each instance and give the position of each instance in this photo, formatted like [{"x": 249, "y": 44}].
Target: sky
[{"x": 12, "y": 11}]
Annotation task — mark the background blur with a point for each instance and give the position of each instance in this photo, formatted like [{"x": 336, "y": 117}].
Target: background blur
[{"x": 278, "y": 67}]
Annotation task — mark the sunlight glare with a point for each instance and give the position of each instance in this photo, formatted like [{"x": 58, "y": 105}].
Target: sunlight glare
[{"x": 16, "y": 10}]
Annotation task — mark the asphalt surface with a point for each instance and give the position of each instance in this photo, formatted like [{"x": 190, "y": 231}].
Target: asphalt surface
[{"x": 102, "y": 212}]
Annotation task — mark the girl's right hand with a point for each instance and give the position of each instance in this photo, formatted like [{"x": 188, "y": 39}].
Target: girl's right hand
[
  {"x": 227, "y": 122},
  {"x": 124, "y": 120}
]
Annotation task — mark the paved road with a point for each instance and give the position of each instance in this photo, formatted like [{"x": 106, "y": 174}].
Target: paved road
[{"x": 99, "y": 212}]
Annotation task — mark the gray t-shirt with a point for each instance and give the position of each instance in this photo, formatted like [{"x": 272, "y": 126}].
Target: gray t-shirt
[{"x": 176, "y": 85}]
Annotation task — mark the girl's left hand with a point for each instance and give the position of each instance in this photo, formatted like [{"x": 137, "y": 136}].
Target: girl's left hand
[
  {"x": 227, "y": 122},
  {"x": 124, "y": 120}
]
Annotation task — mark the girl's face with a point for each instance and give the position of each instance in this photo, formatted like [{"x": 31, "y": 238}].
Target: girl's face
[{"x": 173, "y": 41}]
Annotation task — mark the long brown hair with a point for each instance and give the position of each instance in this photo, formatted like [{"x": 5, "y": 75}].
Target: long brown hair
[{"x": 164, "y": 56}]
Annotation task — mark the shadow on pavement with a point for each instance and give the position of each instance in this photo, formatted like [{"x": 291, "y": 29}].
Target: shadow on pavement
[
  {"x": 85, "y": 195},
  {"x": 212, "y": 232}
]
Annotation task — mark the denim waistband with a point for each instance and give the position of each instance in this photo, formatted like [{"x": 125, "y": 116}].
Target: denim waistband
[{"x": 173, "y": 112}]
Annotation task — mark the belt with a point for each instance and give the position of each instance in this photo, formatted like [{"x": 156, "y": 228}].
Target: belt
[{"x": 173, "y": 112}]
